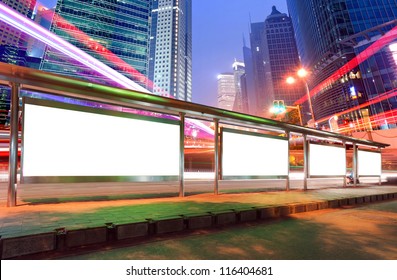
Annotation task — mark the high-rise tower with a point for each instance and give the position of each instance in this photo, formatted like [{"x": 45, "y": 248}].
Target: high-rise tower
[
  {"x": 112, "y": 31},
  {"x": 331, "y": 34},
  {"x": 13, "y": 44},
  {"x": 226, "y": 91},
  {"x": 282, "y": 56},
  {"x": 170, "y": 65},
  {"x": 275, "y": 57},
  {"x": 12, "y": 41}
]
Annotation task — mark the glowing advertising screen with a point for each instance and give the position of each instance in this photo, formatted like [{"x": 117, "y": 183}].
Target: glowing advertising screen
[
  {"x": 249, "y": 154},
  {"x": 369, "y": 163},
  {"x": 77, "y": 142},
  {"x": 325, "y": 160}
]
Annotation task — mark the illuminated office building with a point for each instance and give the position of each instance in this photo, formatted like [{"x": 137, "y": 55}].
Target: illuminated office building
[
  {"x": 275, "y": 57},
  {"x": 331, "y": 34},
  {"x": 12, "y": 41},
  {"x": 13, "y": 44},
  {"x": 240, "y": 102},
  {"x": 116, "y": 32},
  {"x": 170, "y": 65},
  {"x": 226, "y": 91}
]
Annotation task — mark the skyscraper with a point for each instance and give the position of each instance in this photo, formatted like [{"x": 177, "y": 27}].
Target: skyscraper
[
  {"x": 331, "y": 34},
  {"x": 247, "y": 82},
  {"x": 240, "y": 100},
  {"x": 226, "y": 91},
  {"x": 170, "y": 66},
  {"x": 12, "y": 41},
  {"x": 112, "y": 31},
  {"x": 260, "y": 68},
  {"x": 282, "y": 56},
  {"x": 13, "y": 44},
  {"x": 275, "y": 57}
]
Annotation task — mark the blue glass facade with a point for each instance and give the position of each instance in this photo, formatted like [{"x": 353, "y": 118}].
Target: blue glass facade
[
  {"x": 170, "y": 64},
  {"x": 330, "y": 33},
  {"x": 112, "y": 26},
  {"x": 275, "y": 58}
]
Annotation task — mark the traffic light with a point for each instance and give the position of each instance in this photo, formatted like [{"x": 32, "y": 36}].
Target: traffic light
[{"x": 278, "y": 106}]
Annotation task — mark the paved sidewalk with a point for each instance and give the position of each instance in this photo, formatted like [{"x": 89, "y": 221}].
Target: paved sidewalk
[{"x": 38, "y": 228}]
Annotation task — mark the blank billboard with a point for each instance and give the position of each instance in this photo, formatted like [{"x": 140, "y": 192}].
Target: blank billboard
[
  {"x": 253, "y": 154},
  {"x": 327, "y": 160},
  {"x": 369, "y": 163},
  {"x": 78, "y": 142}
]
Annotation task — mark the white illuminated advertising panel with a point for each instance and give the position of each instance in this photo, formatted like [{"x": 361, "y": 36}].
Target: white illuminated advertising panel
[
  {"x": 369, "y": 163},
  {"x": 326, "y": 160},
  {"x": 253, "y": 155},
  {"x": 64, "y": 142}
]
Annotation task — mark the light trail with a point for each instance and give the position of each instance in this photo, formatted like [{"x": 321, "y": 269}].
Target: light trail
[
  {"x": 98, "y": 48},
  {"x": 360, "y": 58},
  {"x": 29, "y": 27},
  {"x": 377, "y": 99}
]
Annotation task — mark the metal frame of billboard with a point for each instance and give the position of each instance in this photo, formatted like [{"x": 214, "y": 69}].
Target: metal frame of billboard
[
  {"x": 21, "y": 78},
  {"x": 85, "y": 178}
]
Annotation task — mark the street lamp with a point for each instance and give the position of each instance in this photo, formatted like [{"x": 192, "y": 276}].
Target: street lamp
[{"x": 302, "y": 74}]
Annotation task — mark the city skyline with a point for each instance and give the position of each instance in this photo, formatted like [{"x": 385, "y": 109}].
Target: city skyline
[{"x": 214, "y": 54}]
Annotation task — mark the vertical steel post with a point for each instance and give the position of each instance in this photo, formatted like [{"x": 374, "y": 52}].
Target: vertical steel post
[
  {"x": 310, "y": 100},
  {"x": 13, "y": 150},
  {"x": 181, "y": 154},
  {"x": 380, "y": 176},
  {"x": 305, "y": 161},
  {"x": 355, "y": 165},
  {"x": 216, "y": 156},
  {"x": 287, "y": 183},
  {"x": 344, "y": 176}
]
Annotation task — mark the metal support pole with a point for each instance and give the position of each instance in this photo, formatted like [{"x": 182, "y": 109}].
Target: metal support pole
[
  {"x": 305, "y": 162},
  {"x": 380, "y": 176},
  {"x": 13, "y": 150},
  {"x": 355, "y": 165},
  {"x": 216, "y": 155},
  {"x": 310, "y": 101},
  {"x": 287, "y": 183},
  {"x": 344, "y": 176},
  {"x": 181, "y": 154}
]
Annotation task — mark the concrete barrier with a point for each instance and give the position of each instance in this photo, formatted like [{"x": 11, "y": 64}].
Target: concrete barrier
[
  {"x": 312, "y": 206},
  {"x": 268, "y": 212},
  {"x": 247, "y": 215},
  {"x": 89, "y": 236},
  {"x": 359, "y": 200},
  {"x": 343, "y": 202},
  {"x": 333, "y": 203},
  {"x": 225, "y": 217},
  {"x": 284, "y": 210},
  {"x": 132, "y": 230},
  {"x": 351, "y": 201},
  {"x": 169, "y": 225},
  {"x": 27, "y": 245},
  {"x": 322, "y": 205},
  {"x": 199, "y": 221},
  {"x": 296, "y": 208}
]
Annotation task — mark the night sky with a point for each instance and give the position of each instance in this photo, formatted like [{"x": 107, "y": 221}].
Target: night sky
[{"x": 218, "y": 29}]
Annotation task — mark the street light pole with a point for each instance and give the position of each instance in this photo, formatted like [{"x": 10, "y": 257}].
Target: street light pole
[
  {"x": 302, "y": 73},
  {"x": 310, "y": 100}
]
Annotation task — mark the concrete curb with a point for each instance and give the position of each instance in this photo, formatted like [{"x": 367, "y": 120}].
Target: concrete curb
[{"x": 61, "y": 239}]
